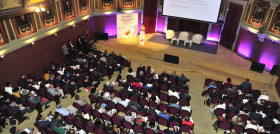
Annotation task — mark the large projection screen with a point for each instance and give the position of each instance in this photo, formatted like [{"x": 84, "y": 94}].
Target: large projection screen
[{"x": 202, "y": 10}]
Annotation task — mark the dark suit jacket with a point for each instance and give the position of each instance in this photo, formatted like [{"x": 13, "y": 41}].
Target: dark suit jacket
[
  {"x": 246, "y": 85},
  {"x": 44, "y": 123},
  {"x": 35, "y": 100},
  {"x": 255, "y": 115},
  {"x": 14, "y": 109}
]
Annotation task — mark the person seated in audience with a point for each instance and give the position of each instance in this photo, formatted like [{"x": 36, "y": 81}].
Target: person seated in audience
[
  {"x": 4, "y": 101},
  {"x": 117, "y": 87},
  {"x": 82, "y": 118},
  {"x": 145, "y": 85},
  {"x": 188, "y": 121},
  {"x": 187, "y": 107},
  {"x": 23, "y": 80},
  {"x": 164, "y": 114},
  {"x": 215, "y": 93},
  {"x": 151, "y": 111},
  {"x": 62, "y": 111},
  {"x": 228, "y": 81},
  {"x": 172, "y": 130},
  {"x": 153, "y": 98},
  {"x": 232, "y": 108},
  {"x": 153, "y": 125},
  {"x": 246, "y": 84},
  {"x": 238, "y": 121},
  {"x": 174, "y": 75},
  {"x": 16, "y": 92},
  {"x": 252, "y": 125},
  {"x": 124, "y": 101},
  {"x": 113, "y": 55},
  {"x": 139, "y": 121},
  {"x": 257, "y": 114},
  {"x": 128, "y": 117},
  {"x": 141, "y": 75},
  {"x": 150, "y": 70},
  {"x": 264, "y": 96},
  {"x": 173, "y": 92},
  {"x": 183, "y": 78},
  {"x": 244, "y": 111},
  {"x": 82, "y": 101},
  {"x": 116, "y": 130},
  {"x": 141, "y": 68},
  {"x": 43, "y": 120},
  {"x": 212, "y": 84},
  {"x": 176, "y": 118},
  {"x": 135, "y": 105},
  {"x": 18, "y": 111},
  {"x": 9, "y": 88},
  {"x": 221, "y": 118},
  {"x": 38, "y": 101},
  {"x": 174, "y": 104},
  {"x": 232, "y": 90},
  {"x": 114, "y": 99},
  {"x": 56, "y": 124},
  {"x": 56, "y": 91},
  {"x": 110, "y": 111},
  {"x": 220, "y": 105},
  {"x": 136, "y": 83}
]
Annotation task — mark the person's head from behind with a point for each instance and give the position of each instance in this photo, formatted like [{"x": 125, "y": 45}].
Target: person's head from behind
[
  {"x": 58, "y": 106},
  {"x": 123, "y": 98},
  {"x": 165, "y": 111},
  {"x": 13, "y": 130},
  {"x": 112, "y": 96},
  {"x": 254, "y": 122},
  {"x": 187, "y": 118},
  {"x": 174, "y": 100},
  {"x": 16, "y": 89},
  {"x": 128, "y": 113},
  {"x": 152, "y": 123},
  {"x": 8, "y": 84},
  {"x": 130, "y": 70},
  {"x": 247, "y": 80},
  {"x": 228, "y": 79},
  {"x": 77, "y": 97}
]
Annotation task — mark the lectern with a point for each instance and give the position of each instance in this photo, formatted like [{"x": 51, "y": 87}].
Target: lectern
[{"x": 142, "y": 35}]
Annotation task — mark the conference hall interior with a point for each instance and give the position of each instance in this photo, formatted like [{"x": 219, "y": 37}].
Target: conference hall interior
[{"x": 139, "y": 66}]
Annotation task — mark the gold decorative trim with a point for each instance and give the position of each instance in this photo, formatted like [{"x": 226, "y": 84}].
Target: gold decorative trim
[
  {"x": 58, "y": 8},
  {"x": 37, "y": 21},
  {"x": 9, "y": 30},
  {"x": 247, "y": 12}
]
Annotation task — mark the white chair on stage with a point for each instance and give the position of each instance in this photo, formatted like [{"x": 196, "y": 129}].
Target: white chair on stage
[
  {"x": 183, "y": 36},
  {"x": 197, "y": 38},
  {"x": 169, "y": 34}
]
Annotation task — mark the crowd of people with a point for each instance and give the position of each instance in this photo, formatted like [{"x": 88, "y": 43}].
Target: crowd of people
[{"x": 239, "y": 108}]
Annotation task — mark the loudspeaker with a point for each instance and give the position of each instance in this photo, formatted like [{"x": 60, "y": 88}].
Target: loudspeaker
[
  {"x": 104, "y": 36},
  {"x": 97, "y": 36},
  {"x": 254, "y": 66},
  {"x": 275, "y": 70},
  {"x": 171, "y": 58},
  {"x": 260, "y": 67}
]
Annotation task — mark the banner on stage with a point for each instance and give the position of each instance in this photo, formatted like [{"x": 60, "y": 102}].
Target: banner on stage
[{"x": 127, "y": 25}]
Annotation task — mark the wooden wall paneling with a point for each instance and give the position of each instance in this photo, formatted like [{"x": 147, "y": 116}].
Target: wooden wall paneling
[
  {"x": 76, "y": 4},
  {"x": 38, "y": 21},
  {"x": 96, "y": 3},
  {"x": 249, "y": 5},
  {"x": 3, "y": 34},
  {"x": 59, "y": 11},
  {"x": 10, "y": 30}
]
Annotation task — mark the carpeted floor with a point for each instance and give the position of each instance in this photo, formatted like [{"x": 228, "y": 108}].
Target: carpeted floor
[{"x": 203, "y": 47}]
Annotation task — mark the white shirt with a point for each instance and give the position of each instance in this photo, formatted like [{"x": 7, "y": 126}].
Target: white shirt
[
  {"x": 125, "y": 102},
  {"x": 251, "y": 126},
  {"x": 9, "y": 90},
  {"x": 223, "y": 106},
  {"x": 263, "y": 97},
  {"x": 188, "y": 108},
  {"x": 61, "y": 72},
  {"x": 132, "y": 73},
  {"x": 116, "y": 100},
  {"x": 171, "y": 93}
]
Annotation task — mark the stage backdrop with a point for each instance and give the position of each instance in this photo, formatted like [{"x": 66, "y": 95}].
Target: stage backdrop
[{"x": 127, "y": 25}]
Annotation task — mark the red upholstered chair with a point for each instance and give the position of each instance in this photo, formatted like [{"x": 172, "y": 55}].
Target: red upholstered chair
[
  {"x": 185, "y": 113},
  {"x": 127, "y": 124},
  {"x": 224, "y": 125},
  {"x": 186, "y": 128},
  {"x": 207, "y": 82},
  {"x": 106, "y": 117},
  {"x": 164, "y": 87},
  {"x": 238, "y": 129},
  {"x": 163, "y": 97},
  {"x": 99, "y": 131},
  {"x": 173, "y": 110},
  {"x": 116, "y": 121},
  {"x": 149, "y": 131},
  {"x": 251, "y": 131},
  {"x": 89, "y": 127},
  {"x": 92, "y": 99},
  {"x": 79, "y": 124},
  {"x": 163, "y": 121},
  {"x": 120, "y": 108},
  {"x": 95, "y": 113},
  {"x": 219, "y": 111},
  {"x": 138, "y": 129}
]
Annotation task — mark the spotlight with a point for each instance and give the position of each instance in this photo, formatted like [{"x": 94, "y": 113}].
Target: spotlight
[
  {"x": 32, "y": 44},
  {"x": 43, "y": 9},
  {"x": 74, "y": 25},
  {"x": 1, "y": 57},
  {"x": 55, "y": 34},
  {"x": 37, "y": 10}
]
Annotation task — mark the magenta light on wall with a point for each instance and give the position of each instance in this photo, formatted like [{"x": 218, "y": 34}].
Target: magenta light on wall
[
  {"x": 267, "y": 59},
  {"x": 161, "y": 20},
  {"x": 245, "y": 48},
  {"x": 214, "y": 34}
]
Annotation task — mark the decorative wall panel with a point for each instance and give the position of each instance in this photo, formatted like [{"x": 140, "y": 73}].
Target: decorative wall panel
[
  {"x": 68, "y": 9},
  {"x": 3, "y": 34},
  {"x": 247, "y": 11},
  {"x": 258, "y": 13},
  {"x": 84, "y": 6},
  {"x": 107, "y": 4},
  {"x": 128, "y": 3},
  {"x": 10, "y": 30},
  {"x": 24, "y": 25},
  {"x": 275, "y": 22},
  {"x": 8, "y": 4},
  {"x": 59, "y": 11},
  {"x": 49, "y": 18}
]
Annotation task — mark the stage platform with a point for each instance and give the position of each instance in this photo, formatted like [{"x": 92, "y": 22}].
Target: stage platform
[{"x": 207, "y": 47}]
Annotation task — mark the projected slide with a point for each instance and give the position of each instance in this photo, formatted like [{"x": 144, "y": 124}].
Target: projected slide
[{"x": 203, "y": 10}]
